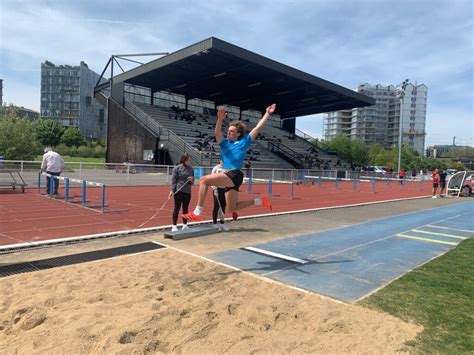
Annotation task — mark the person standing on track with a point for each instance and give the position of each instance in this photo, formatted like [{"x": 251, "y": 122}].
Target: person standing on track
[
  {"x": 435, "y": 177},
  {"x": 442, "y": 182},
  {"x": 219, "y": 202},
  {"x": 401, "y": 176},
  {"x": 53, "y": 165},
  {"x": 182, "y": 177},
  {"x": 233, "y": 151}
]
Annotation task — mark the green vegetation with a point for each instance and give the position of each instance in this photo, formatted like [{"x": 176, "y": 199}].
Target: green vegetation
[
  {"x": 72, "y": 137},
  {"x": 69, "y": 159},
  {"x": 438, "y": 295},
  {"x": 17, "y": 137},
  {"x": 359, "y": 153},
  {"x": 48, "y": 132},
  {"x": 22, "y": 139}
]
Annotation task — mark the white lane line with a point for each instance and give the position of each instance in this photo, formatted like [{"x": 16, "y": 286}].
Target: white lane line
[{"x": 276, "y": 255}]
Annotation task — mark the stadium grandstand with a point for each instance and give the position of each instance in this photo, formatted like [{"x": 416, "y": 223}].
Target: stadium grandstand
[{"x": 167, "y": 107}]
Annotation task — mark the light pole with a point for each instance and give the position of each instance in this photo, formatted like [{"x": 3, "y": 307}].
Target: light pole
[{"x": 401, "y": 96}]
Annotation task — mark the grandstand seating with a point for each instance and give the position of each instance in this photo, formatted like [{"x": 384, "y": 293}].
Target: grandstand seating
[{"x": 273, "y": 147}]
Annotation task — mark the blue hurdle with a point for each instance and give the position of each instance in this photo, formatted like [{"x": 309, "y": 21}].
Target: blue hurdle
[{"x": 84, "y": 187}]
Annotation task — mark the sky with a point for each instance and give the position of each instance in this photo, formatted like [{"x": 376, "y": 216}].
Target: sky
[{"x": 344, "y": 41}]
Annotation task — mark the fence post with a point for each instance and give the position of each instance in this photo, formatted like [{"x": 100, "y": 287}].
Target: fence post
[
  {"x": 249, "y": 186},
  {"x": 66, "y": 194},
  {"x": 103, "y": 198},
  {"x": 83, "y": 193},
  {"x": 51, "y": 186}
]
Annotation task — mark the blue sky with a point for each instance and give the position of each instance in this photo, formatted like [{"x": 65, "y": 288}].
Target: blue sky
[{"x": 344, "y": 41}]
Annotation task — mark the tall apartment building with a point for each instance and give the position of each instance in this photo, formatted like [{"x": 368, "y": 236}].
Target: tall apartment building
[
  {"x": 380, "y": 123},
  {"x": 67, "y": 96}
]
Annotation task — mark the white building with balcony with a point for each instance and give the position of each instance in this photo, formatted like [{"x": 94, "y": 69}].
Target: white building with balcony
[{"x": 380, "y": 123}]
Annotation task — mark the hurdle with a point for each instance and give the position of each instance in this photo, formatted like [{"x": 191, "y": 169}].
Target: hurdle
[
  {"x": 270, "y": 183},
  {"x": 84, "y": 202},
  {"x": 402, "y": 184},
  {"x": 355, "y": 182}
]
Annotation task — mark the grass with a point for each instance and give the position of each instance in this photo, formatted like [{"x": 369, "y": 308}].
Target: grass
[
  {"x": 69, "y": 159},
  {"x": 438, "y": 295}
]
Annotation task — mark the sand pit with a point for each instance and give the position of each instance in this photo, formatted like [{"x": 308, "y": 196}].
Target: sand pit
[{"x": 169, "y": 302}]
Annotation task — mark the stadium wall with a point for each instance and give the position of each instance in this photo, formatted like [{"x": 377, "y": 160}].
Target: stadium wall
[{"x": 126, "y": 138}]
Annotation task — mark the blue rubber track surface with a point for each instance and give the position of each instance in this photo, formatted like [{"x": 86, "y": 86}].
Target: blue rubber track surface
[{"x": 351, "y": 262}]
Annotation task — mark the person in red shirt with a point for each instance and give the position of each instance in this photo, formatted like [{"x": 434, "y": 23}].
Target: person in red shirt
[
  {"x": 401, "y": 176},
  {"x": 435, "y": 176}
]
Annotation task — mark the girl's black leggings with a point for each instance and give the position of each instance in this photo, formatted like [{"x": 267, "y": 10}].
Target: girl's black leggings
[
  {"x": 215, "y": 211},
  {"x": 181, "y": 198}
]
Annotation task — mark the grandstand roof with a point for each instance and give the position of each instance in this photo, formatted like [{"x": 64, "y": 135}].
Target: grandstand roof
[{"x": 219, "y": 71}]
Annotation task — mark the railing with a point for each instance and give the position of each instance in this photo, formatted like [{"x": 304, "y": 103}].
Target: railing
[
  {"x": 100, "y": 87},
  {"x": 303, "y": 135},
  {"x": 175, "y": 142},
  {"x": 286, "y": 153},
  {"x": 142, "y": 117}
]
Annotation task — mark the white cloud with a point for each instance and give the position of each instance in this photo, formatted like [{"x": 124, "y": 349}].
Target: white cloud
[{"x": 346, "y": 42}]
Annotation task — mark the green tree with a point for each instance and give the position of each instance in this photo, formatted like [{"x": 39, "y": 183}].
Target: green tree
[
  {"x": 432, "y": 163},
  {"x": 374, "y": 151},
  {"x": 342, "y": 146},
  {"x": 72, "y": 137},
  {"x": 17, "y": 138},
  {"x": 359, "y": 152},
  {"x": 383, "y": 158},
  {"x": 48, "y": 132}
]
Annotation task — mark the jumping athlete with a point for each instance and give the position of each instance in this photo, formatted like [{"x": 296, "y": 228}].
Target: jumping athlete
[{"x": 233, "y": 151}]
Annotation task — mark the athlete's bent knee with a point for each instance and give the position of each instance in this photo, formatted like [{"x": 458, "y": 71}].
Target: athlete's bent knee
[{"x": 204, "y": 180}]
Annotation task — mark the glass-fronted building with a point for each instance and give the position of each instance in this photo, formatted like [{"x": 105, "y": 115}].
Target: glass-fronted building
[
  {"x": 380, "y": 123},
  {"x": 67, "y": 96}
]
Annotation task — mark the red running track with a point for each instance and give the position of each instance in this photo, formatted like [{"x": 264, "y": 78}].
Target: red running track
[{"x": 27, "y": 217}]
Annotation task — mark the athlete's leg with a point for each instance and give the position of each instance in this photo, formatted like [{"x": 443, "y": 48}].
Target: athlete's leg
[
  {"x": 233, "y": 205},
  {"x": 215, "y": 209},
  {"x": 219, "y": 180},
  {"x": 186, "y": 200},
  {"x": 178, "y": 200}
]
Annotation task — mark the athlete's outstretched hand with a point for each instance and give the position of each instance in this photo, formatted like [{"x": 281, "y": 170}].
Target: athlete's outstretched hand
[
  {"x": 221, "y": 114},
  {"x": 271, "y": 108}
]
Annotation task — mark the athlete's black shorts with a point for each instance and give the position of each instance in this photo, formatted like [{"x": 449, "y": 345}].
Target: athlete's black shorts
[
  {"x": 435, "y": 185},
  {"x": 237, "y": 178},
  {"x": 442, "y": 184}
]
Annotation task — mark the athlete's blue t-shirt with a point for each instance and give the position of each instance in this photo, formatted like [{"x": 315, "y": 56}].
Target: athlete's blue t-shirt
[{"x": 233, "y": 153}]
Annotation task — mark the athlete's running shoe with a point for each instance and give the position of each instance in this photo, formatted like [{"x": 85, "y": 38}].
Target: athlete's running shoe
[
  {"x": 266, "y": 203},
  {"x": 191, "y": 216}
]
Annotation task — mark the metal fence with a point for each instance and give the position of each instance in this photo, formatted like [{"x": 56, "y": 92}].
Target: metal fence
[{"x": 127, "y": 174}]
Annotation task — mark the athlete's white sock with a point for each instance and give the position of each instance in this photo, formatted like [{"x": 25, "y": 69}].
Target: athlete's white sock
[
  {"x": 198, "y": 210},
  {"x": 258, "y": 201}
]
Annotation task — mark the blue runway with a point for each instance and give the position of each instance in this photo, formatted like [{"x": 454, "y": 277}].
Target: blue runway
[{"x": 351, "y": 262}]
